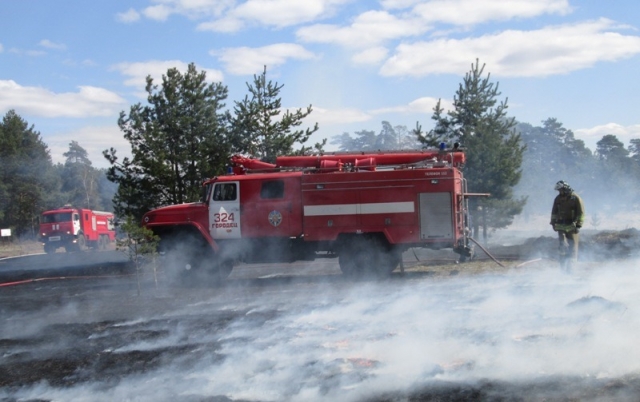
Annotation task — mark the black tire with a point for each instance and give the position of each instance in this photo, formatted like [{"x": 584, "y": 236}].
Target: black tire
[
  {"x": 368, "y": 256},
  {"x": 104, "y": 242},
  {"x": 348, "y": 263},
  {"x": 81, "y": 244},
  {"x": 225, "y": 268},
  {"x": 191, "y": 257},
  {"x": 49, "y": 248}
]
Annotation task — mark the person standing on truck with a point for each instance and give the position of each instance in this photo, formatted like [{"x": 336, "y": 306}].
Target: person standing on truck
[{"x": 567, "y": 217}]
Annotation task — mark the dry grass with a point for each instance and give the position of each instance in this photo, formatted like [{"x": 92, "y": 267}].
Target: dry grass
[{"x": 14, "y": 249}]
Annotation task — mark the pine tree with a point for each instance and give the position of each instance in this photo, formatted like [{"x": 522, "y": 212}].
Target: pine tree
[
  {"x": 494, "y": 150},
  {"x": 179, "y": 139},
  {"x": 257, "y": 130},
  {"x": 28, "y": 182},
  {"x": 80, "y": 180},
  {"x": 390, "y": 138}
]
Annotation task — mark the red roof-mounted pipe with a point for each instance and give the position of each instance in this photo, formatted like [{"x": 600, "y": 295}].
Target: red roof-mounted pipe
[{"x": 381, "y": 159}]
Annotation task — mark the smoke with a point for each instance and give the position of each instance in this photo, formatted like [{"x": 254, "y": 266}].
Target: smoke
[{"x": 356, "y": 341}]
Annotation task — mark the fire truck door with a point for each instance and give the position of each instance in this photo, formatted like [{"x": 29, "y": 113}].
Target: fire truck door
[
  {"x": 76, "y": 223},
  {"x": 224, "y": 211},
  {"x": 274, "y": 210}
]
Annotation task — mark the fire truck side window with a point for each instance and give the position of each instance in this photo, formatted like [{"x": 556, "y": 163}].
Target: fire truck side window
[
  {"x": 272, "y": 189},
  {"x": 76, "y": 217},
  {"x": 225, "y": 192}
]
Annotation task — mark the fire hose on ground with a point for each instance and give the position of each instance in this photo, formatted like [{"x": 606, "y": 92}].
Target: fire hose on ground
[
  {"x": 486, "y": 252},
  {"x": 498, "y": 262},
  {"x": 56, "y": 278}
]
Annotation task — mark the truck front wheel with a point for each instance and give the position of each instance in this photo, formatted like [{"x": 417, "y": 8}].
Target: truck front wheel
[
  {"x": 82, "y": 243},
  {"x": 49, "y": 248},
  {"x": 192, "y": 256}
]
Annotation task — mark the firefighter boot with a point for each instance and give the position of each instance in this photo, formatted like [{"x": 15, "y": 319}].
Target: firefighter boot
[
  {"x": 563, "y": 256},
  {"x": 568, "y": 265}
]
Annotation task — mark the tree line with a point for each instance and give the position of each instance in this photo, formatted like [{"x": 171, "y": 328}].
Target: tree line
[
  {"x": 185, "y": 134},
  {"x": 31, "y": 183}
]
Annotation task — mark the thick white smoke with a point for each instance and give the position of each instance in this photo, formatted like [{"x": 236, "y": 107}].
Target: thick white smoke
[{"x": 351, "y": 341}]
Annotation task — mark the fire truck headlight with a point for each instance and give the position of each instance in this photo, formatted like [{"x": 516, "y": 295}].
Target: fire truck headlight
[
  {"x": 68, "y": 232},
  {"x": 434, "y": 181}
]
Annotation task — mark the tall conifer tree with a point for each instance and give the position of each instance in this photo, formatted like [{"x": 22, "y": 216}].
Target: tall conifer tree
[
  {"x": 179, "y": 139},
  {"x": 479, "y": 122},
  {"x": 259, "y": 129}
]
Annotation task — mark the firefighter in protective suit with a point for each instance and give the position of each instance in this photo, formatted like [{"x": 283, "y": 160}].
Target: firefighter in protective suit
[{"x": 567, "y": 217}]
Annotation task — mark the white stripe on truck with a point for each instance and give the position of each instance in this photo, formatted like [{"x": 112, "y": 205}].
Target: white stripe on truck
[{"x": 355, "y": 209}]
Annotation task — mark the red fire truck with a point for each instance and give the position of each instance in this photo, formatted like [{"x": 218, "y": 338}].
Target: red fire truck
[
  {"x": 75, "y": 229},
  {"x": 364, "y": 208}
]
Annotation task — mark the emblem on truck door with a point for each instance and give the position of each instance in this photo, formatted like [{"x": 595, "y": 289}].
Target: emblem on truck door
[{"x": 275, "y": 218}]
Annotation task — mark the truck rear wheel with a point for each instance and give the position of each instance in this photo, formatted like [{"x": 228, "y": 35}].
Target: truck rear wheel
[
  {"x": 367, "y": 255},
  {"x": 348, "y": 263},
  {"x": 103, "y": 242}
]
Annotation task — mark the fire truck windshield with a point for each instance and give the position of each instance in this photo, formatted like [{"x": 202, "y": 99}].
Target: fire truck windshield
[{"x": 59, "y": 217}]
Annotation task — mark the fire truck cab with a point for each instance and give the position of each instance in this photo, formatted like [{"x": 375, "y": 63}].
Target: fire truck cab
[{"x": 364, "y": 208}]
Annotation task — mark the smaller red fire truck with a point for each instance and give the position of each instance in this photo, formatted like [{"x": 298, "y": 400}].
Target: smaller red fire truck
[
  {"x": 364, "y": 208},
  {"x": 75, "y": 229}
]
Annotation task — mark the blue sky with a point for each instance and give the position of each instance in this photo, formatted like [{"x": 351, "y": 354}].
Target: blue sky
[{"x": 70, "y": 67}]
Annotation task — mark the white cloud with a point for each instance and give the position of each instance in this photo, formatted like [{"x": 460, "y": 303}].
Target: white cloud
[
  {"x": 592, "y": 135},
  {"x": 193, "y": 9},
  {"x": 231, "y": 15},
  {"x": 223, "y": 25},
  {"x": 52, "y": 45},
  {"x": 368, "y": 29},
  {"x": 376, "y": 26},
  {"x": 372, "y": 55},
  {"x": 32, "y": 53},
  {"x": 88, "y": 101},
  {"x": 422, "y": 105},
  {"x": 326, "y": 117},
  {"x": 138, "y": 72},
  {"x": 391, "y": 4},
  {"x": 480, "y": 11},
  {"x": 158, "y": 13},
  {"x": 94, "y": 139},
  {"x": 276, "y": 13},
  {"x": 543, "y": 52},
  {"x": 245, "y": 60},
  {"x": 128, "y": 16}
]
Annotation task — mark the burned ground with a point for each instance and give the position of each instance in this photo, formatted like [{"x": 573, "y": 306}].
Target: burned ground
[{"x": 440, "y": 331}]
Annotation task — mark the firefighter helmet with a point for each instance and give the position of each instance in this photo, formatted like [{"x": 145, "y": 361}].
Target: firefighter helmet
[{"x": 563, "y": 185}]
